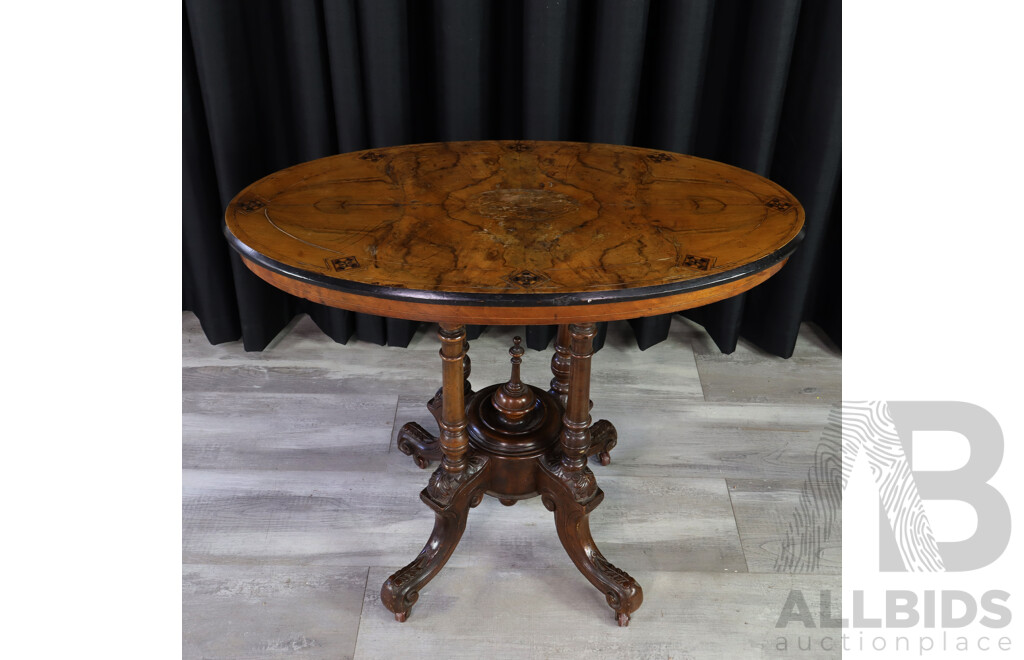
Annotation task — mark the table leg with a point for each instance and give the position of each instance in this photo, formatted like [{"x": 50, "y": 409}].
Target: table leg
[
  {"x": 434, "y": 405},
  {"x": 603, "y": 436},
  {"x": 453, "y": 439},
  {"x": 457, "y": 485},
  {"x": 541, "y": 451},
  {"x": 421, "y": 444},
  {"x": 560, "y": 365},
  {"x": 568, "y": 488}
]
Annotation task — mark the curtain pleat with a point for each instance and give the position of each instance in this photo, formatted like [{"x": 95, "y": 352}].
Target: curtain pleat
[
  {"x": 345, "y": 66},
  {"x": 271, "y": 83},
  {"x": 549, "y": 68},
  {"x": 461, "y": 32},
  {"x": 386, "y": 71},
  {"x": 614, "y": 52},
  {"x": 809, "y": 132},
  {"x": 678, "y": 39},
  {"x": 206, "y": 265}
]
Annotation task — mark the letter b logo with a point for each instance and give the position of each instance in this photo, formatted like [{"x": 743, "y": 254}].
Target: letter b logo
[{"x": 883, "y": 431}]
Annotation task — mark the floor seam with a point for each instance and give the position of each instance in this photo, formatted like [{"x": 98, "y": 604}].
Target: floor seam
[
  {"x": 362, "y": 605},
  {"x": 736, "y": 521},
  {"x": 394, "y": 423},
  {"x": 700, "y": 377}
]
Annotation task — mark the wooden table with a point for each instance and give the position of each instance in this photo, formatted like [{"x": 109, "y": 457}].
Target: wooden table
[{"x": 514, "y": 233}]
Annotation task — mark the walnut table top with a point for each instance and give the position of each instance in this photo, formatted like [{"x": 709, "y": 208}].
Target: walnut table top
[{"x": 514, "y": 232}]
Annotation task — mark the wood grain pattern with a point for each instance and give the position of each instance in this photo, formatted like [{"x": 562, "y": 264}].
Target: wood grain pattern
[{"x": 502, "y": 224}]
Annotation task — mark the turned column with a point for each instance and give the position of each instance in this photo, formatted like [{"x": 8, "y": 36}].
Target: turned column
[
  {"x": 575, "y": 438},
  {"x": 560, "y": 365},
  {"x": 453, "y": 438}
]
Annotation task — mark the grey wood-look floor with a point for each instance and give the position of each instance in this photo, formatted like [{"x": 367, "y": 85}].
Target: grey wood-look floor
[{"x": 297, "y": 505}]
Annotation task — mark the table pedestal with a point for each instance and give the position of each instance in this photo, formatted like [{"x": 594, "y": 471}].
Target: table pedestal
[{"x": 513, "y": 442}]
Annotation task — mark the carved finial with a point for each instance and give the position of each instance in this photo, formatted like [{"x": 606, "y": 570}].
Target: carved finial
[
  {"x": 516, "y": 352},
  {"x": 514, "y": 400}
]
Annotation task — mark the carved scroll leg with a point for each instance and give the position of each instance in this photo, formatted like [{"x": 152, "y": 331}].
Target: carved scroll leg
[
  {"x": 451, "y": 496},
  {"x": 572, "y": 520},
  {"x": 458, "y": 483},
  {"x": 567, "y": 485},
  {"x": 603, "y": 438},
  {"x": 416, "y": 441}
]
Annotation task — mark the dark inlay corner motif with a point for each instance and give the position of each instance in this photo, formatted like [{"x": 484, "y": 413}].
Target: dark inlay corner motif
[
  {"x": 778, "y": 204},
  {"x": 660, "y": 157},
  {"x": 372, "y": 156},
  {"x": 700, "y": 263},
  {"x": 250, "y": 205},
  {"x": 343, "y": 263},
  {"x": 526, "y": 278}
]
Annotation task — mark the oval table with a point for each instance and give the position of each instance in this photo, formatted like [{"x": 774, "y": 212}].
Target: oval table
[{"x": 514, "y": 233}]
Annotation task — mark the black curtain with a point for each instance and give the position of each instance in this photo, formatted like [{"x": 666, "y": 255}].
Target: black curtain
[{"x": 268, "y": 84}]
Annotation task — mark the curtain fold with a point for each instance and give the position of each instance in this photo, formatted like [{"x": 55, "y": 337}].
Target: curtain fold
[{"x": 271, "y": 83}]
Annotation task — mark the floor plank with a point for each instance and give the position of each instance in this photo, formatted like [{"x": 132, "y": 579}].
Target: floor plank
[
  {"x": 722, "y": 440},
  {"x": 812, "y": 375},
  {"x": 256, "y": 612},
  {"x": 304, "y": 360},
  {"x": 693, "y": 439},
  {"x": 522, "y": 614},
  {"x": 277, "y": 431},
  {"x": 363, "y": 518},
  {"x": 789, "y": 526},
  {"x": 664, "y": 371}
]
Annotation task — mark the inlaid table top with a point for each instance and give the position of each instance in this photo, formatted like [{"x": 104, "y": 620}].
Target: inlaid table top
[{"x": 514, "y": 232}]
